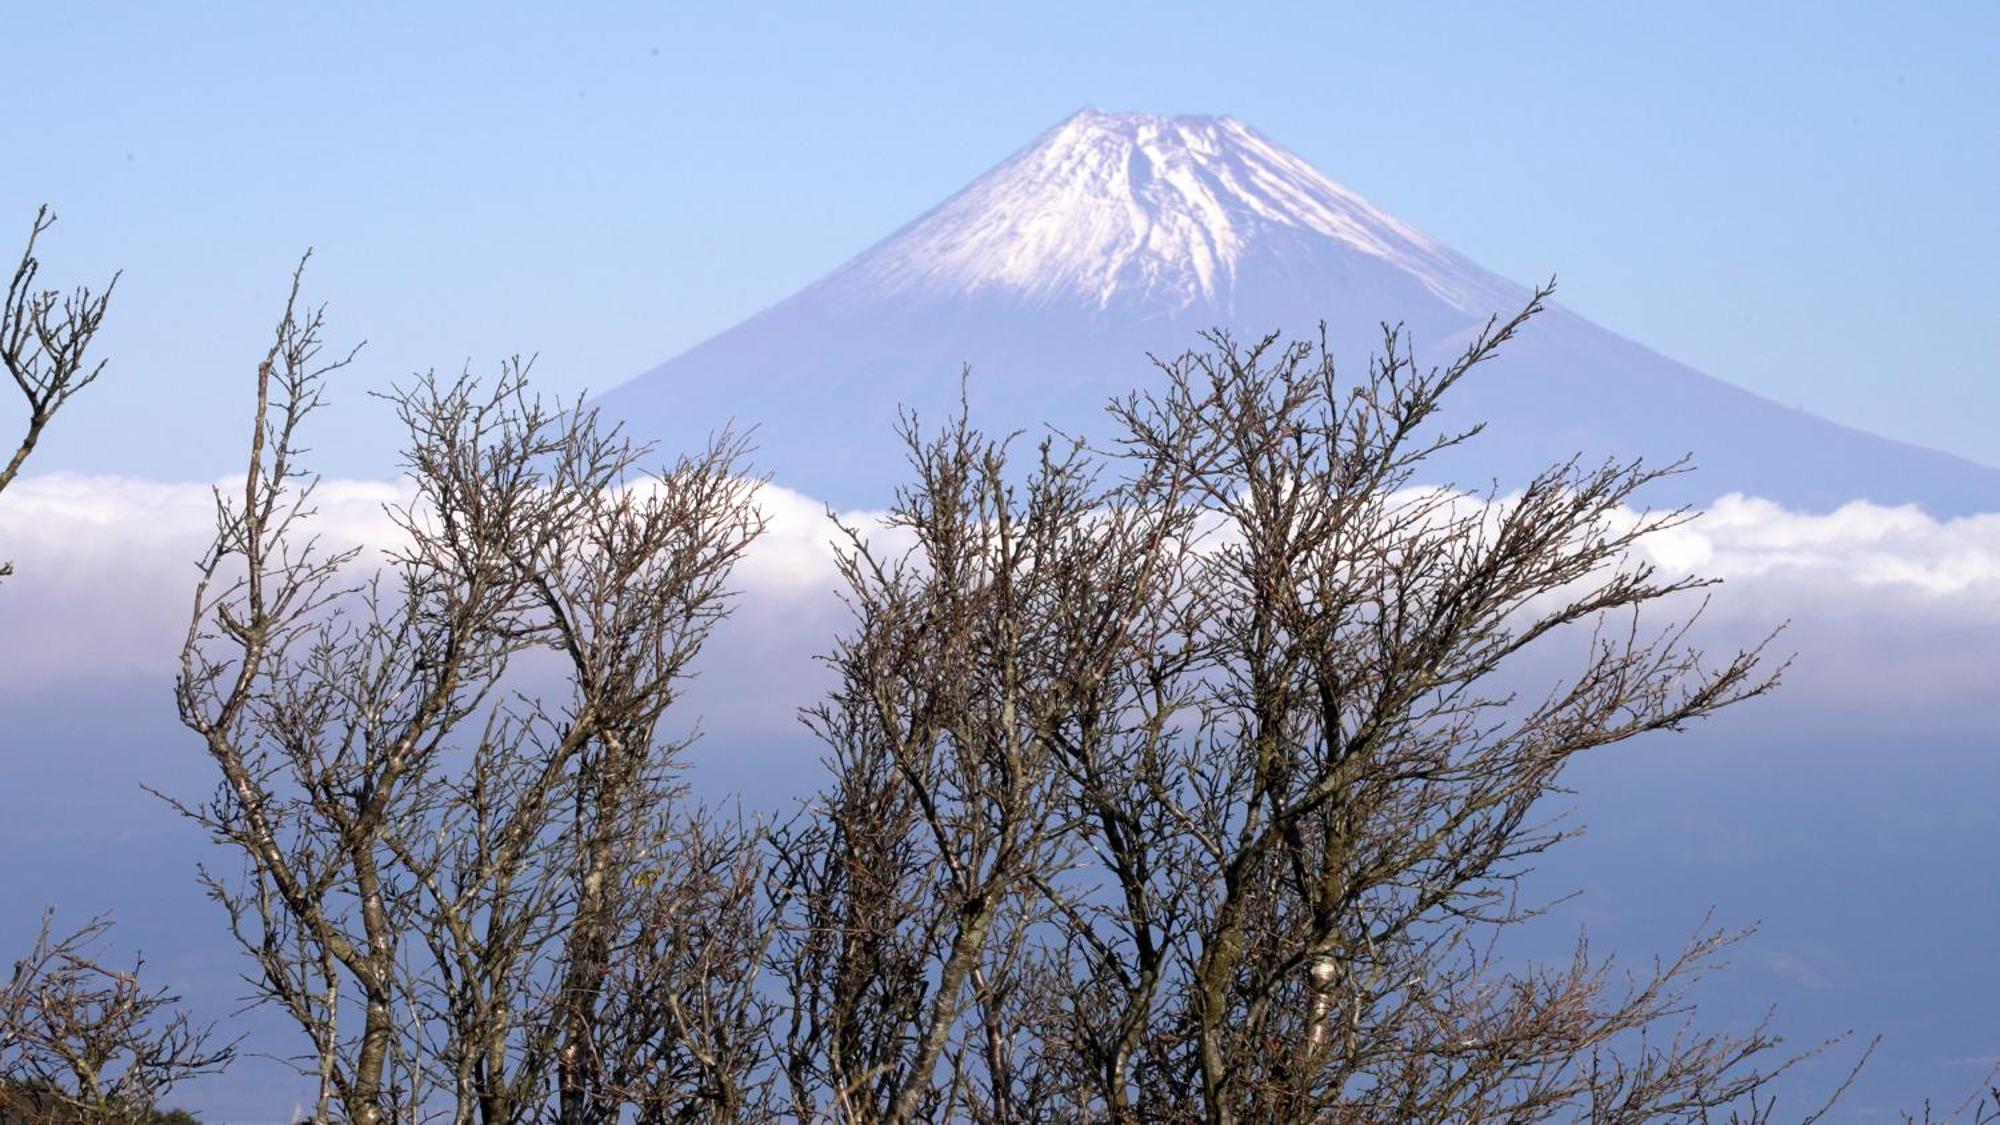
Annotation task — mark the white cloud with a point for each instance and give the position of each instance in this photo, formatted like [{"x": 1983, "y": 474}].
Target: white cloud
[
  {"x": 1860, "y": 545},
  {"x": 1887, "y": 606}
]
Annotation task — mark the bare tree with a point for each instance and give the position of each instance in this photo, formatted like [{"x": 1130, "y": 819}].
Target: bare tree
[
  {"x": 83, "y": 1041},
  {"x": 1354, "y": 790},
  {"x": 80, "y": 1040},
  {"x": 470, "y": 901},
  {"x": 1199, "y": 797},
  {"x": 1982, "y": 1108},
  {"x": 45, "y": 338},
  {"x": 918, "y": 884},
  {"x": 597, "y": 930}
]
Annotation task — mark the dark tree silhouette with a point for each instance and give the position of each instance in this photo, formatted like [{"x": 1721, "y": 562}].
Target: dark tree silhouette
[
  {"x": 1177, "y": 784},
  {"x": 464, "y": 896},
  {"x": 80, "y": 1041}
]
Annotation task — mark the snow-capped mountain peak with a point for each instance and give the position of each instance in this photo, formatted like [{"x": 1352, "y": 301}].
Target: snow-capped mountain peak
[
  {"x": 1140, "y": 209},
  {"x": 1115, "y": 237}
]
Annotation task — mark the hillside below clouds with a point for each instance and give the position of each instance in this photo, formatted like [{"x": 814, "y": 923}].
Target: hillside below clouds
[{"x": 1115, "y": 235}]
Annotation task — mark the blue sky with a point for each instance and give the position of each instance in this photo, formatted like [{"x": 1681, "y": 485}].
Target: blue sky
[{"x": 1797, "y": 198}]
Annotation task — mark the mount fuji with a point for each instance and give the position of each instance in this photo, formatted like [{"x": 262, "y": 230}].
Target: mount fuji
[{"x": 1112, "y": 236}]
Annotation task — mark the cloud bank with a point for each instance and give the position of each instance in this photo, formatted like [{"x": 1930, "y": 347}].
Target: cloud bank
[{"x": 1888, "y": 602}]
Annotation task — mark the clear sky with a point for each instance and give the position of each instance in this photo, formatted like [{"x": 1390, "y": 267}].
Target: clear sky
[{"x": 1795, "y": 197}]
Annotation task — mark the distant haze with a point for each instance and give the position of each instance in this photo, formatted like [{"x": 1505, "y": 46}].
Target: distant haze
[{"x": 1115, "y": 235}]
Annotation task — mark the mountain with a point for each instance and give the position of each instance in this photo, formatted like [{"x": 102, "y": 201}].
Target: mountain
[{"x": 1117, "y": 235}]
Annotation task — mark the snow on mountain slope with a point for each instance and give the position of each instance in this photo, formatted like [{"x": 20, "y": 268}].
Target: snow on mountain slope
[
  {"x": 1116, "y": 236},
  {"x": 1130, "y": 208}
]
